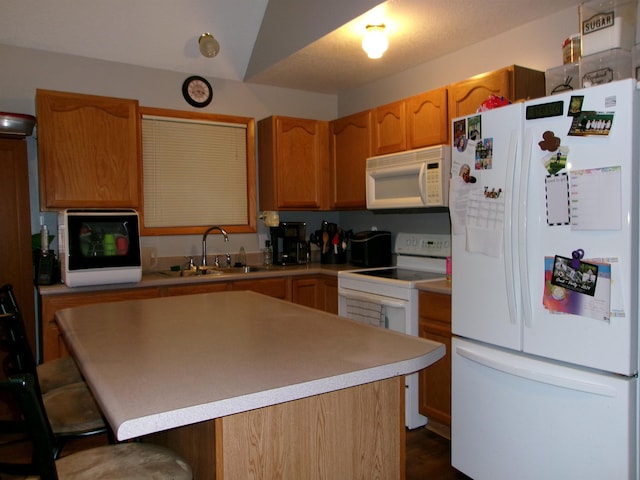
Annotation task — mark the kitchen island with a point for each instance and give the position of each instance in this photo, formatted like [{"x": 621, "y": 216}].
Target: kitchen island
[{"x": 246, "y": 386}]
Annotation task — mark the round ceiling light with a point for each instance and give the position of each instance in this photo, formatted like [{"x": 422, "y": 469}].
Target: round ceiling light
[
  {"x": 209, "y": 46},
  {"x": 375, "y": 41}
]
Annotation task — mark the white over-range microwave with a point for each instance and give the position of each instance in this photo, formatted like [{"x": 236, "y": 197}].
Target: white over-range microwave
[
  {"x": 98, "y": 247},
  {"x": 412, "y": 179}
]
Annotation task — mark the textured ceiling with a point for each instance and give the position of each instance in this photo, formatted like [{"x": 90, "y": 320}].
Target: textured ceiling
[{"x": 306, "y": 45}]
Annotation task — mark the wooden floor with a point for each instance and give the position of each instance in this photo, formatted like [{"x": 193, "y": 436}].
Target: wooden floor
[{"x": 428, "y": 455}]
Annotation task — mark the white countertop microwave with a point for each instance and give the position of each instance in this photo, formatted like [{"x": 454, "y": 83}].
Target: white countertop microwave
[{"x": 411, "y": 179}]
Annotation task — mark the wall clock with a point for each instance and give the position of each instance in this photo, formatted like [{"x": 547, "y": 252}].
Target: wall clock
[{"x": 197, "y": 91}]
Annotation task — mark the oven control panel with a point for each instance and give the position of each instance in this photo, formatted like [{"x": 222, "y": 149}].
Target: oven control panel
[{"x": 423, "y": 244}]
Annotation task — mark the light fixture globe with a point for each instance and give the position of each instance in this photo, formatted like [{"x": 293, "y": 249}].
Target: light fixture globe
[
  {"x": 375, "y": 41},
  {"x": 209, "y": 46}
]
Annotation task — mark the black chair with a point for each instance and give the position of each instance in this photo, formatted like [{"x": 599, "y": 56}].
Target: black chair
[
  {"x": 72, "y": 411},
  {"x": 54, "y": 373},
  {"x": 134, "y": 460}
]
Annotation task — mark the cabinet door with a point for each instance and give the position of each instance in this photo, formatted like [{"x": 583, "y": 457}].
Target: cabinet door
[
  {"x": 465, "y": 97},
  {"x": 514, "y": 83},
  {"x": 197, "y": 288},
  {"x": 88, "y": 151},
  {"x": 427, "y": 119},
  {"x": 294, "y": 165},
  {"x": 274, "y": 287},
  {"x": 435, "y": 380},
  {"x": 16, "y": 265},
  {"x": 389, "y": 128},
  {"x": 307, "y": 291},
  {"x": 53, "y": 345},
  {"x": 330, "y": 289},
  {"x": 350, "y": 146}
]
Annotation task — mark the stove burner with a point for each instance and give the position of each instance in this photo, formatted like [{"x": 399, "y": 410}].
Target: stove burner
[{"x": 401, "y": 274}]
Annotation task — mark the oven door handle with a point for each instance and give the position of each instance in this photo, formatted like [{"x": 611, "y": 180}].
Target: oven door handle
[{"x": 367, "y": 297}]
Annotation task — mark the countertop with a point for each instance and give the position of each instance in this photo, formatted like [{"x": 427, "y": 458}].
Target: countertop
[
  {"x": 436, "y": 286},
  {"x": 155, "y": 279},
  {"x": 162, "y": 278},
  {"x": 166, "y": 362}
]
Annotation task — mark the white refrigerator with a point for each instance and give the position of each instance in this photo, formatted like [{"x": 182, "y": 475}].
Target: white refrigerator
[{"x": 544, "y": 212}]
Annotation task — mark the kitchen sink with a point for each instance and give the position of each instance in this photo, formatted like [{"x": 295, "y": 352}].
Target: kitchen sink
[
  {"x": 210, "y": 271},
  {"x": 245, "y": 269},
  {"x": 191, "y": 273}
]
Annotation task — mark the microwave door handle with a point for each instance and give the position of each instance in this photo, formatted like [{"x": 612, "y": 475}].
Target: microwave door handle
[{"x": 422, "y": 183}]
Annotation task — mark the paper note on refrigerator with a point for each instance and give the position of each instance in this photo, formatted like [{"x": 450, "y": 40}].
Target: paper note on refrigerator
[
  {"x": 596, "y": 203},
  {"x": 485, "y": 221},
  {"x": 557, "y": 195},
  {"x": 462, "y": 187},
  {"x": 557, "y": 299}
]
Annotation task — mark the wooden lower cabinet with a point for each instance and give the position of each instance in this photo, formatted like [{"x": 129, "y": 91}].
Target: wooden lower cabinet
[
  {"x": 193, "y": 289},
  {"x": 435, "y": 381},
  {"x": 52, "y": 344},
  {"x": 355, "y": 432},
  {"x": 320, "y": 292},
  {"x": 279, "y": 287},
  {"x": 330, "y": 285}
]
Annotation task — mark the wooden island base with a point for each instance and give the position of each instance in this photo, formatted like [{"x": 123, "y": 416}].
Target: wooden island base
[{"x": 357, "y": 432}]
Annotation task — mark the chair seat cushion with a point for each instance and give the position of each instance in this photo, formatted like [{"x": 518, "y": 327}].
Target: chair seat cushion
[
  {"x": 72, "y": 410},
  {"x": 134, "y": 460},
  {"x": 58, "y": 373}
]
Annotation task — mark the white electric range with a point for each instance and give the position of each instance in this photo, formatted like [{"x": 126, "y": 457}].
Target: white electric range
[{"x": 388, "y": 297}]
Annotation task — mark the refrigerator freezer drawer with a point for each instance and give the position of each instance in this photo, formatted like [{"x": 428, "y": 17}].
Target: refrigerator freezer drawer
[{"x": 514, "y": 416}]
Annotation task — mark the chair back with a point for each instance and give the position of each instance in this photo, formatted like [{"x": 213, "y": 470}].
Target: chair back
[
  {"x": 8, "y": 302},
  {"x": 17, "y": 357},
  {"x": 30, "y": 424}
]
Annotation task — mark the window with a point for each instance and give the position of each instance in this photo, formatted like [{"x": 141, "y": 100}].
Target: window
[{"x": 198, "y": 170}]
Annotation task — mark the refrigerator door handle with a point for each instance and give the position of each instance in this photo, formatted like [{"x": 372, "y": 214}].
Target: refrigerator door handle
[
  {"x": 509, "y": 246},
  {"x": 522, "y": 230},
  {"x": 528, "y": 373}
]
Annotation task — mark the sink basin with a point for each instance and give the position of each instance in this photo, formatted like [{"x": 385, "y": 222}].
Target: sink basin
[
  {"x": 245, "y": 269},
  {"x": 191, "y": 273},
  {"x": 210, "y": 271}
]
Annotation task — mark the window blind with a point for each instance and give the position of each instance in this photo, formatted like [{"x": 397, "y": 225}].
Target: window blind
[{"x": 195, "y": 172}]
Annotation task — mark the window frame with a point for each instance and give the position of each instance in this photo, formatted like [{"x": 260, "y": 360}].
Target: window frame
[{"x": 249, "y": 123}]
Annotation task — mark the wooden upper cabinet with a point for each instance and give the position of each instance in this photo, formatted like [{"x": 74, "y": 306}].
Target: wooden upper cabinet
[
  {"x": 293, "y": 163},
  {"x": 389, "y": 128},
  {"x": 514, "y": 83},
  {"x": 88, "y": 151},
  {"x": 350, "y": 146},
  {"x": 414, "y": 122},
  {"x": 427, "y": 119}
]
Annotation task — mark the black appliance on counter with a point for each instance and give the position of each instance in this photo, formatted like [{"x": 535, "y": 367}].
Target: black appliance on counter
[
  {"x": 371, "y": 249},
  {"x": 289, "y": 243}
]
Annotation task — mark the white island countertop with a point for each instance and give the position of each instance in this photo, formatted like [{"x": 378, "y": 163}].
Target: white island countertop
[{"x": 167, "y": 362}]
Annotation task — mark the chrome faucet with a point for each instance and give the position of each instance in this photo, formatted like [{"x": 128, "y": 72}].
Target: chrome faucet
[{"x": 204, "y": 242}]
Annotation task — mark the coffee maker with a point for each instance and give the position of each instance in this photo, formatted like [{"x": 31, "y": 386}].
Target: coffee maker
[{"x": 289, "y": 243}]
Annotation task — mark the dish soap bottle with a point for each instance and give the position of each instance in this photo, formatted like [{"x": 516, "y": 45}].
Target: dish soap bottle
[
  {"x": 268, "y": 253},
  {"x": 44, "y": 238}
]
